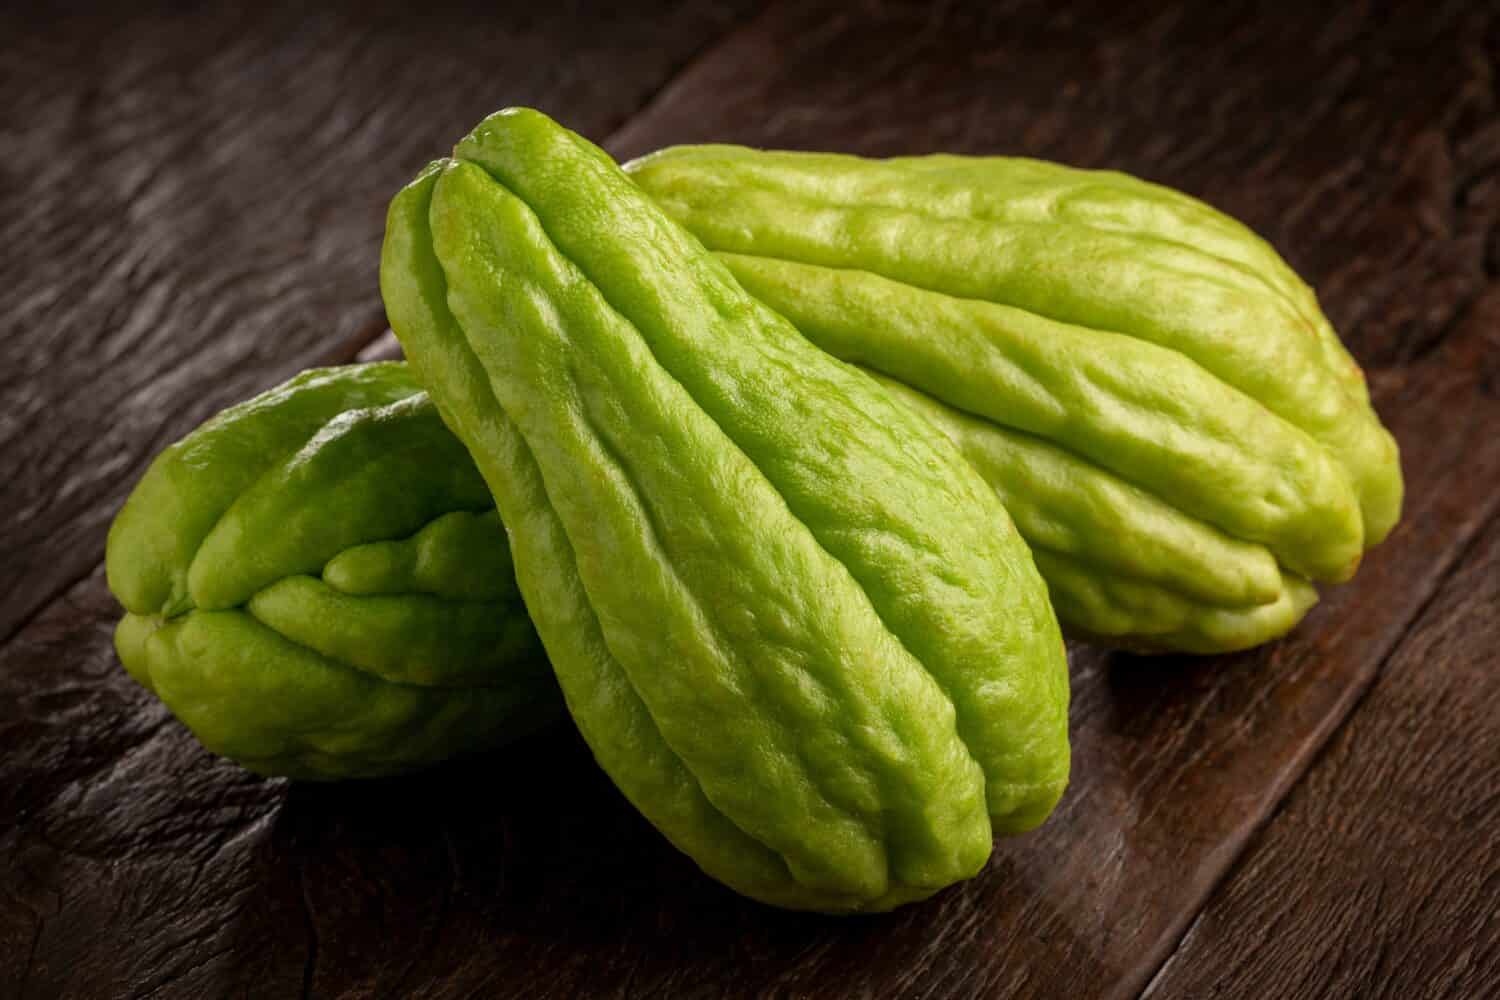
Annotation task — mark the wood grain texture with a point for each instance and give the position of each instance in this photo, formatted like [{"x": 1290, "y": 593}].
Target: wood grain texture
[
  {"x": 192, "y": 201},
  {"x": 1388, "y": 845},
  {"x": 133, "y": 864}
]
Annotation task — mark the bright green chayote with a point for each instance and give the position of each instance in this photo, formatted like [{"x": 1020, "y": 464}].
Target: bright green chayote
[
  {"x": 316, "y": 582},
  {"x": 792, "y": 623},
  {"x": 1154, "y": 394}
]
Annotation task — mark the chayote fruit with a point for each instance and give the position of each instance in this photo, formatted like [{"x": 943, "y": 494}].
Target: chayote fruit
[
  {"x": 1154, "y": 394},
  {"x": 316, "y": 582},
  {"x": 792, "y": 623}
]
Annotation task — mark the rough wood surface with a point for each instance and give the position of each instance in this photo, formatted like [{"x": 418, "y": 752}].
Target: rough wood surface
[
  {"x": 1363, "y": 143},
  {"x": 1388, "y": 845},
  {"x": 192, "y": 201}
]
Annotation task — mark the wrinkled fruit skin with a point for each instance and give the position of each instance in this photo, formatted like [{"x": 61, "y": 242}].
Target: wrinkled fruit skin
[
  {"x": 317, "y": 584},
  {"x": 794, "y": 626},
  {"x": 1154, "y": 394}
]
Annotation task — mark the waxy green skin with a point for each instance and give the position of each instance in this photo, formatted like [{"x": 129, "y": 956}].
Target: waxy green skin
[
  {"x": 1157, "y": 398},
  {"x": 316, "y": 583},
  {"x": 794, "y": 626}
]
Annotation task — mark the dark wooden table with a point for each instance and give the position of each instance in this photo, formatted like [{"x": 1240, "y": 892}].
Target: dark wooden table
[{"x": 191, "y": 206}]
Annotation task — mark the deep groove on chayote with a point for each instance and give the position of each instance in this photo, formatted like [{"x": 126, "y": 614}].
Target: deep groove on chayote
[
  {"x": 795, "y": 627},
  {"x": 1154, "y": 393},
  {"x": 317, "y": 584}
]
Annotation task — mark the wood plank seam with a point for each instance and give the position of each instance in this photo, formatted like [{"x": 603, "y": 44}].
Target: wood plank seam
[
  {"x": 1357, "y": 957},
  {"x": 689, "y": 68},
  {"x": 310, "y": 964},
  {"x": 1256, "y": 830}
]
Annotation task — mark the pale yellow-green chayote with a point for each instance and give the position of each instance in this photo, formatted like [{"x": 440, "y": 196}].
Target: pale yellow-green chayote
[
  {"x": 316, "y": 583},
  {"x": 1157, "y": 398},
  {"x": 793, "y": 624}
]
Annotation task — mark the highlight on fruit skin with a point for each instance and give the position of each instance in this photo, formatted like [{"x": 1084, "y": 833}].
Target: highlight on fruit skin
[
  {"x": 793, "y": 624},
  {"x": 1155, "y": 395},
  {"x": 316, "y": 583}
]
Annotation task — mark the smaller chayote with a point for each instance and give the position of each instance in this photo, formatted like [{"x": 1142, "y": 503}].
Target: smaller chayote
[{"x": 317, "y": 583}]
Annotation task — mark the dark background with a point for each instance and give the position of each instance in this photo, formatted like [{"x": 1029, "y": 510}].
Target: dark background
[{"x": 191, "y": 204}]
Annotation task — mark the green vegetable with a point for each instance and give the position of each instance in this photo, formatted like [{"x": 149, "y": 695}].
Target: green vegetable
[
  {"x": 793, "y": 624},
  {"x": 317, "y": 584},
  {"x": 1150, "y": 389}
]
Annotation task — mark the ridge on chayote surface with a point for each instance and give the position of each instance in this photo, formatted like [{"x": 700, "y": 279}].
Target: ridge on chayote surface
[
  {"x": 794, "y": 626},
  {"x": 1154, "y": 394},
  {"x": 317, "y": 584}
]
